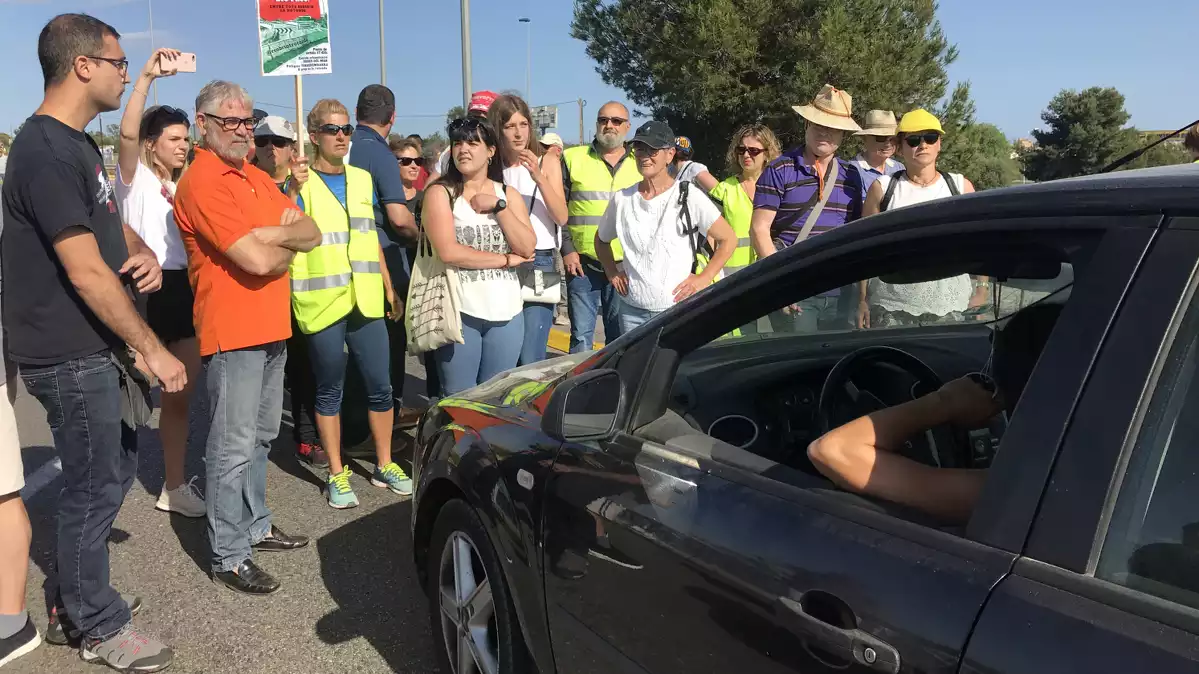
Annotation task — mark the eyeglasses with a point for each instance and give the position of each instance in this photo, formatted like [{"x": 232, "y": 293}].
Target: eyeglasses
[
  {"x": 929, "y": 138},
  {"x": 614, "y": 121},
  {"x": 332, "y": 129},
  {"x": 122, "y": 65},
  {"x": 409, "y": 161},
  {"x": 231, "y": 123},
  {"x": 751, "y": 151},
  {"x": 277, "y": 141},
  {"x": 646, "y": 151}
]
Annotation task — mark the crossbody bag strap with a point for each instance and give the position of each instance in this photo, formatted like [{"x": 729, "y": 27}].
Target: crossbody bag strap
[
  {"x": 890, "y": 193},
  {"x": 953, "y": 186},
  {"x": 830, "y": 181}
]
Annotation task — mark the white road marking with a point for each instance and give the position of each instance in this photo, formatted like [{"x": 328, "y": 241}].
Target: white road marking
[{"x": 41, "y": 478}]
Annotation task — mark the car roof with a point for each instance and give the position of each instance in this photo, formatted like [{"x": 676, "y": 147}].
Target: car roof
[{"x": 1173, "y": 189}]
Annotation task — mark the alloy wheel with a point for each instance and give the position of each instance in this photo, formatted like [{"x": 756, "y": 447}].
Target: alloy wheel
[{"x": 468, "y": 623}]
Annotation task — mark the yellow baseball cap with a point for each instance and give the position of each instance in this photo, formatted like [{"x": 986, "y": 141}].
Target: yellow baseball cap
[{"x": 919, "y": 120}]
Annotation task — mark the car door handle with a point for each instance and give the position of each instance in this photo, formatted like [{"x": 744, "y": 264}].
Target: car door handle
[{"x": 852, "y": 644}]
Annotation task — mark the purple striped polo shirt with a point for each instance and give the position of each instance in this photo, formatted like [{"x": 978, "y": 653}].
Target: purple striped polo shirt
[{"x": 789, "y": 185}]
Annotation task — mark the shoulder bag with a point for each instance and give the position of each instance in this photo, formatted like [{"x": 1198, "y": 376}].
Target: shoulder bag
[
  {"x": 538, "y": 286},
  {"x": 431, "y": 314}
]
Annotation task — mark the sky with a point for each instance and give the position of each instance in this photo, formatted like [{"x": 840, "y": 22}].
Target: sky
[{"x": 1017, "y": 55}]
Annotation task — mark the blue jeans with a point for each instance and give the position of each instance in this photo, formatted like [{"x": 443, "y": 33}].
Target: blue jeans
[
  {"x": 491, "y": 347},
  {"x": 82, "y": 398},
  {"x": 539, "y": 317},
  {"x": 367, "y": 339},
  {"x": 632, "y": 317},
  {"x": 245, "y": 393},
  {"x": 586, "y": 294}
]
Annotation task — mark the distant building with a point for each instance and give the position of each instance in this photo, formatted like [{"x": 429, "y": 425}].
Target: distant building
[
  {"x": 1021, "y": 146},
  {"x": 1152, "y": 136}
]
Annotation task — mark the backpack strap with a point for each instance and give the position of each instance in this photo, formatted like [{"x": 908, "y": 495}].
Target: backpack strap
[
  {"x": 953, "y": 186},
  {"x": 887, "y": 196}
]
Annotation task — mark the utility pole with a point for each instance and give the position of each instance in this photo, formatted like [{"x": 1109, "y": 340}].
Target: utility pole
[
  {"x": 581, "y": 104},
  {"x": 382, "y": 51},
  {"x": 466, "y": 54},
  {"x": 150, "y": 10},
  {"x": 529, "y": 59}
]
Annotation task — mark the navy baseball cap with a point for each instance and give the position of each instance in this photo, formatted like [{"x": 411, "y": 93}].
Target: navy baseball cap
[{"x": 655, "y": 134}]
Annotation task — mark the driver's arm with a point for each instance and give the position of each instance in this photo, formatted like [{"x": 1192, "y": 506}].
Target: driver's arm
[{"x": 859, "y": 456}]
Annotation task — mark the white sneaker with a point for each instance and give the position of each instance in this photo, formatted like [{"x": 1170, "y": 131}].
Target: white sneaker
[{"x": 184, "y": 499}]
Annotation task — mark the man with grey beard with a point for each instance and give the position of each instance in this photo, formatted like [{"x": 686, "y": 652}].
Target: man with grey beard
[
  {"x": 240, "y": 233},
  {"x": 591, "y": 175}
]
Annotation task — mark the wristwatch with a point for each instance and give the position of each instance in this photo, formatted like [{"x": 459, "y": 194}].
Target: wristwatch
[{"x": 500, "y": 205}]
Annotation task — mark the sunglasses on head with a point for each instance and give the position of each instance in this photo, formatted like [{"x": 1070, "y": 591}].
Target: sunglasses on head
[
  {"x": 277, "y": 141},
  {"x": 464, "y": 124},
  {"x": 409, "y": 161},
  {"x": 231, "y": 123},
  {"x": 751, "y": 151},
  {"x": 929, "y": 138},
  {"x": 615, "y": 121},
  {"x": 333, "y": 129},
  {"x": 172, "y": 114}
]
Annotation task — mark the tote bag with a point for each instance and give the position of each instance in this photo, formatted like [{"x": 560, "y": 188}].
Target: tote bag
[{"x": 431, "y": 315}]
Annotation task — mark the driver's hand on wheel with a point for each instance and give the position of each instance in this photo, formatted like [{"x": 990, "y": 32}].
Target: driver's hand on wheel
[{"x": 968, "y": 404}]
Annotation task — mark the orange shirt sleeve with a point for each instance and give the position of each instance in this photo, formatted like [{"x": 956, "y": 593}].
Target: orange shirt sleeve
[{"x": 212, "y": 213}]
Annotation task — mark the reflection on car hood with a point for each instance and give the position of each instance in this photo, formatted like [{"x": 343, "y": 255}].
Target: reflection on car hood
[{"x": 516, "y": 387}]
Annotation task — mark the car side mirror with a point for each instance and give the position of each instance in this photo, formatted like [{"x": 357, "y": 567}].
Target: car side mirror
[{"x": 585, "y": 407}]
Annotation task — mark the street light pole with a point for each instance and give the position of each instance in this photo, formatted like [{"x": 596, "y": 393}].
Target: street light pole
[
  {"x": 529, "y": 59},
  {"x": 382, "y": 51},
  {"x": 465, "y": 54}
]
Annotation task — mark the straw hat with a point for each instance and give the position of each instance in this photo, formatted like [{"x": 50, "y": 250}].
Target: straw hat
[
  {"x": 879, "y": 123},
  {"x": 832, "y": 108}
]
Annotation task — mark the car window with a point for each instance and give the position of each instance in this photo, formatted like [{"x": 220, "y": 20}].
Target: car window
[
  {"x": 1152, "y": 542},
  {"x": 898, "y": 301}
]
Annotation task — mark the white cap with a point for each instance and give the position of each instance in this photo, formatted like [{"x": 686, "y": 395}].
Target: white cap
[
  {"x": 274, "y": 125},
  {"x": 552, "y": 138}
]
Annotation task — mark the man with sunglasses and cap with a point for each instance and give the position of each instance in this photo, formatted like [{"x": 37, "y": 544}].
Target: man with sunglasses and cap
[
  {"x": 805, "y": 192},
  {"x": 878, "y": 148},
  {"x": 275, "y": 153}
]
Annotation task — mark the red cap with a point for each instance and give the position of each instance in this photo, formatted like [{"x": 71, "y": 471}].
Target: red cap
[{"x": 481, "y": 101}]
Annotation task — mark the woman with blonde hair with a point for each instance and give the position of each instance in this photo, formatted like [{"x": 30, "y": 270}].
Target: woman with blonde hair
[
  {"x": 153, "y": 153},
  {"x": 753, "y": 147}
]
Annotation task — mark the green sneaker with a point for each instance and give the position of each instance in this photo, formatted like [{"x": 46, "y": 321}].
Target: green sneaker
[
  {"x": 341, "y": 495},
  {"x": 394, "y": 478}
]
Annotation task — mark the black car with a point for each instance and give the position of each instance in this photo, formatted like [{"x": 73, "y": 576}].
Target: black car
[{"x": 651, "y": 507}]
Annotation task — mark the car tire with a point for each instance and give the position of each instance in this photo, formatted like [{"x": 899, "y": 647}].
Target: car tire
[{"x": 458, "y": 534}]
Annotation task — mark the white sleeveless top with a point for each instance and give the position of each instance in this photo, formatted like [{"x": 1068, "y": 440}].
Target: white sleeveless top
[
  {"x": 940, "y": 297},
  {"x": 519, "y": 179},
  {"x": 488, "y": 294}
]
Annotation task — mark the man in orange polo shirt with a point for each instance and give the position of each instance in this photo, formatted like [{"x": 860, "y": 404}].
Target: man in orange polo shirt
[{"x": 240, "y": 233}]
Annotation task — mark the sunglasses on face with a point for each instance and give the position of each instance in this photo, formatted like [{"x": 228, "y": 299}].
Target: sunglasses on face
[
  {"x": 409, "y": 161},
  {"x": 883, "y": 139},
  {"x": 122, "y": 65},
  {"x": 333, "y": 129},
  {"x": 751, "y": 151},
  {"x": 929, "y": 138},
  {"x": 614, "y": 121},
  {"x": 231, "y": 123},
  {"x": 263, "y": 141}
]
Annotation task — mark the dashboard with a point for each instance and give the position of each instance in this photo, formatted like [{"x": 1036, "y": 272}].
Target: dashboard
[{"x": 763, "y": 394}]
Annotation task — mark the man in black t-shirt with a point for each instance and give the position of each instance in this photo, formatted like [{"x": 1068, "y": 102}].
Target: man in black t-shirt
[{"x": 70, "y": 268}]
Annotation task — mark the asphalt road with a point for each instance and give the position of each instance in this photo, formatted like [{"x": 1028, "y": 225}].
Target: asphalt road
[{"x": 349, "y": 602}]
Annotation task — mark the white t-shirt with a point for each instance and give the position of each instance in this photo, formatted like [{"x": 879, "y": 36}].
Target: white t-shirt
[
  {"x": 443, "y": 161},
  {"x": 519, "y": 178},
  {"x": 940, "y": 297},
  {"x": 657, "y": 254},
  {"x": 147, "y": 204},
  {"x": 691, "y": 171},
  {"x": 489, "y": 294}
]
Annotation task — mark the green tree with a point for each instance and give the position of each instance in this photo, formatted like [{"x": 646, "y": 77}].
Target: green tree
[
  {"x": 977, "y": 150},
  {"x": 1084, "y": 131},
  {"x": 433, "y": 144},
  {"x": 1163, "y": 154},
  {"x": 709, "y": 66},
  {"x": 456, "y": 112},
  {"x": 5, "y": 140}
]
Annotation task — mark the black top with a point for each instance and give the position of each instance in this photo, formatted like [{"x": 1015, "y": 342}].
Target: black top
[
  {"x": 55, "y": 181},
  {"x": 414, "y": 204}
]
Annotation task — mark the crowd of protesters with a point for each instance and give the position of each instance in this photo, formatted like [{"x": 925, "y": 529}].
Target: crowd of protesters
[{"x": 240, "y": 265}]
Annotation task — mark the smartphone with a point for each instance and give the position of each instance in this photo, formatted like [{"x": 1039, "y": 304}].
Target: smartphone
[{"x": 186, "y": 63}]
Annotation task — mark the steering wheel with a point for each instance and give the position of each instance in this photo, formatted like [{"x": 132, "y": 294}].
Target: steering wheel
[{"x": 939, "y": 447}]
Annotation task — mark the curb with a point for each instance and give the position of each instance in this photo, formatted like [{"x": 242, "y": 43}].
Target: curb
[{"x": 560, "y": 340}]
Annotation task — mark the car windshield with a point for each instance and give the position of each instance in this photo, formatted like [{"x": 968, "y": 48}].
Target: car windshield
[{"x": 961, "y": 299}]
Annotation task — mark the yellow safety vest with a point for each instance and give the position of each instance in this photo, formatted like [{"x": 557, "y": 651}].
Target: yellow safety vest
[
  {"x": 343, "y": 271},
  {"x": 592, "y": 184},
  {"x": 738, "y": 211}
]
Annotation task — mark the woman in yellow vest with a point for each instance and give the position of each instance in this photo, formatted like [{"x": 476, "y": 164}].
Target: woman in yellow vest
[
  {"x": 337, "y": 295},
  {"x": 752, "y": 148}
]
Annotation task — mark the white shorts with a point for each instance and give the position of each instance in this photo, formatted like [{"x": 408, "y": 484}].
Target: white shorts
[{"x": 12, "y": 472}]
